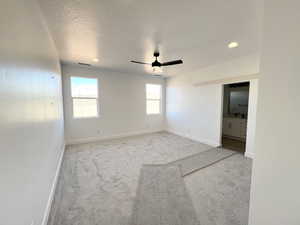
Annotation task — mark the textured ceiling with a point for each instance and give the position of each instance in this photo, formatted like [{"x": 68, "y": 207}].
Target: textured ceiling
[{"x": 116, "y": 31}]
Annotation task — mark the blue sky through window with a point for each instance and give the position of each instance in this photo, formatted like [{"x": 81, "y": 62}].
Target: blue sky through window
[{"x": 84, "y": 87}]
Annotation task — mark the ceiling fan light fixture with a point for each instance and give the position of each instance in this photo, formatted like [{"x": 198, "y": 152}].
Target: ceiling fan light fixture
[{"x": 157, "y": 69}]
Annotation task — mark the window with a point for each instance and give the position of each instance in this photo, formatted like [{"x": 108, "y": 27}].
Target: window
[
  {"x": 84, "y": 92},
  {"x": 153, "y": 98}
]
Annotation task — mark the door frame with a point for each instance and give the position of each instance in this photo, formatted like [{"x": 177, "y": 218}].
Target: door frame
[{"x": 240, "y": 80}]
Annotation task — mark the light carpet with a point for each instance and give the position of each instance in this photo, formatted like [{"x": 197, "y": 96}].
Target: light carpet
[
  {"x": 201, "y": 160},
  {"x": 162, "y": 198},
  {"x": 98, "y": 181}
]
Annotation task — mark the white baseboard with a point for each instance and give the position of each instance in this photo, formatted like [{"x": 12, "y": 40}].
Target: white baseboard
[
  {"x": 52, "y": 191},
  {"x": 249, "y": 155},
  {"x": 93, "y": 139},
  {"x": 207, "y": 142}
]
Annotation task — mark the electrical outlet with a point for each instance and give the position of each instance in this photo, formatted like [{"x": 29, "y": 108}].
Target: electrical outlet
[{"x": 99, "y": 132}]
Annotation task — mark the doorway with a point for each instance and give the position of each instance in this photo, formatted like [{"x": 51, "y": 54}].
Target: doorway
[{"x": 235, "y": 116}]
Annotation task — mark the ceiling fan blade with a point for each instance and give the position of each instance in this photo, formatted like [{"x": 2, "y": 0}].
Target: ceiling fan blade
[
  {"x": 140, "y": 62},
  {"x": 175, "y": 62}
]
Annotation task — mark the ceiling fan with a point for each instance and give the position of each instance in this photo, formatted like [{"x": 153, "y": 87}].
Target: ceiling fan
[{"x": 156, "y": 63}]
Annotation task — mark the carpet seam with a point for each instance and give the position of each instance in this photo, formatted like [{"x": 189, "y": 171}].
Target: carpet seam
[{"x": 226, "y": 157}]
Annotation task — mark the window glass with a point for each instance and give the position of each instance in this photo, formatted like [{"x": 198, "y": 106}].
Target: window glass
[
  {"x": 153, "y": 98},
  {"x": 84, "y": 87},
  {"x": 84, "y": 92}
]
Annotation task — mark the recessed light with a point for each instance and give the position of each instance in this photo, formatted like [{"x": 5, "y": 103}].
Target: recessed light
[
  {"x": 233, "y": 45},
  {"x": 96, "y": 60}
]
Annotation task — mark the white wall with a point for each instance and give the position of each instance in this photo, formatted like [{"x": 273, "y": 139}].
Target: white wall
[
  {"x": 239, "y": 67},
  {"x": 122, "y": 106},
  {"x": 275, "y": 186},
  {"x": 31, "y": 116},
  {"x": 251, "y": 123},
  {"x": 195, "y": 111}
]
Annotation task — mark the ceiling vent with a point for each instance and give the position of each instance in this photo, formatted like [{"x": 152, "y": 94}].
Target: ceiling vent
[{"x": 84, "y": 64}]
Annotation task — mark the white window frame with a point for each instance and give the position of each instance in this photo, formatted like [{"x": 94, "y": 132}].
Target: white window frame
[
  {"x": 152, "y": 99},
  {"x": 96, "y": 98}
]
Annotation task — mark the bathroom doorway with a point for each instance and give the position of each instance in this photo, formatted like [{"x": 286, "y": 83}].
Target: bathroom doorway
[{"x": 235, "y": 116}]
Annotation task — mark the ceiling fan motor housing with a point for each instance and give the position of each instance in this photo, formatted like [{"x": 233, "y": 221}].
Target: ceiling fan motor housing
[{"x": 156, "y": 64}]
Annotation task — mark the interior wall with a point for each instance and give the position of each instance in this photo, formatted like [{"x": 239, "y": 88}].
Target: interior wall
[
  {"x": 31, "y": 115},
  {"x": 275, "y": 181},
  {"x": 238, "y": 67},
  {"x": 251, "y": 123},
  {"x": 196, "y": 111},
  {"x": 122, "y": 100}
]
